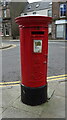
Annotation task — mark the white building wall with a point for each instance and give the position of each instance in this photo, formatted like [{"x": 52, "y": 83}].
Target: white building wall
[
  {"x": 43, "y": 12},
  {"x": 40, "y": 12}
]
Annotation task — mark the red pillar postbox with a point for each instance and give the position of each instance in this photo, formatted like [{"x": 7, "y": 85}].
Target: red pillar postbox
[{"x": 34, "y": 53}]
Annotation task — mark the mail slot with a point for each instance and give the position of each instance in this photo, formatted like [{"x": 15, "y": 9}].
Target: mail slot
[
  {"x": 34, "y": 56},
  {"x": 38, "y": 32}
]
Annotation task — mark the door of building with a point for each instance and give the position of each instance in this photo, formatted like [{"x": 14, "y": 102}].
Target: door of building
[
  {"x": 60, "y": 31},
  {"x": 6, "y": 29}
]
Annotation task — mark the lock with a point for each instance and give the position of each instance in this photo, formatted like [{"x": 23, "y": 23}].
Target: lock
[{"x": 45, "y": 62}]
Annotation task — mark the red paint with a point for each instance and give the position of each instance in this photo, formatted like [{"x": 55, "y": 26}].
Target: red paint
[{"x": 33, "y": 68}]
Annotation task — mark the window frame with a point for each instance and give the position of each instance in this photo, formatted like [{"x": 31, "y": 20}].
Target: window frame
[
  {"x": 62, "y": 10},
  {"x": 6, "y": 29},
  {"x": 50, "y": 14},
  {"x": 5, "y": 13},
  {"x": 57, "y": 36}
]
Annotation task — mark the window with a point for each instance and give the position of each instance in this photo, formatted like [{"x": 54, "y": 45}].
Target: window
[
  {"x": 62, "y": 10},
  {"x": 50, "y": 28},
  {"x": 1, "y": 30},
  {"x": 37, "y": 5},
  {"x": 50, "y": 4},
  {"x": 60, "y": 31},
  {"x": 29, "y": 7},
  {"x": 4, "y": 3},
  {"x": 6, "y": 29},
  {"x": 0, "y": 19},
  {"x": 34, "y": 12},
  {"x": 50, "y": 13},
  {"x": 25, "y": 13},
  {"x": 5, "y": 13},
  {"x": 66, "y": 31}
]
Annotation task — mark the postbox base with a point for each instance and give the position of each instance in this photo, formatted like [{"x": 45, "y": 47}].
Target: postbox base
[{"x": 33, "y": 96}]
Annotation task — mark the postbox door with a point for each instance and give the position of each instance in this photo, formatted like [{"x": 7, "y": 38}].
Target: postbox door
[{"x": 39, "y": 60}]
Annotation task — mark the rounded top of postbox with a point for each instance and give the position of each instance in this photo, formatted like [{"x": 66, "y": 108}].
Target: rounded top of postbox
[{"x": 33, "y": 20}]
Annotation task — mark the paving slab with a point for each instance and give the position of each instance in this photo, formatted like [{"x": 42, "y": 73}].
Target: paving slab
[
  {"x": 17, "y": 113},
  {"x": 58, "y": 87},
  {"x": 54, "y": 108},
  {"x": 9, "y": 95},
  {"x": 31, "y": 109},
  {"x": 60, "y": 91},
  {"x": 52, "y": 87}
]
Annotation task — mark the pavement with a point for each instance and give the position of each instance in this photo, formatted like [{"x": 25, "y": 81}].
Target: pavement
[
  {"x": 12, "y": 107},
  {"x": 4, "y": 45}
]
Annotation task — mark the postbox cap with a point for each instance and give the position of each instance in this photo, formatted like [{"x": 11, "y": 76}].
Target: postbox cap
[
  {"x": 33, "y": 20},
  {"x": 32, "y": 15}
]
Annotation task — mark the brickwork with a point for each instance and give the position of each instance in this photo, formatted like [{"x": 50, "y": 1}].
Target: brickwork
[
  {"x": 53, "y": 30},
  {"x": 55, "y": 10},
  {"x": 0, "y": 11},
  {"x": 9, "y": 12}
]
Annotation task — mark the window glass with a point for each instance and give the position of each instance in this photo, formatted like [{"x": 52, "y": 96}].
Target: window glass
[
  {"x": 4, "y": 3},
  {"x": 37, "y": 5},
  {"x": 29, "y": 7},
  {"x": 4, "y": 13},
  {"x": 1, "y": 30},
  {"x": 63, "y": 10},
  {"x": 50, "y": 13},
  {"x": 60, "y": 31},
  {"x": 6, "y": 29}
]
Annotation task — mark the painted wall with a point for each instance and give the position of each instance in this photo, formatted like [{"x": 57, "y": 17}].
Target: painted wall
[
  {"x": 16, "y": 9},
  {"x": 40, "y": 12}
]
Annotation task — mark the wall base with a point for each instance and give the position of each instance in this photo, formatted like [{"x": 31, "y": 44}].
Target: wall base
[{"x": 33, "y": 96}]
